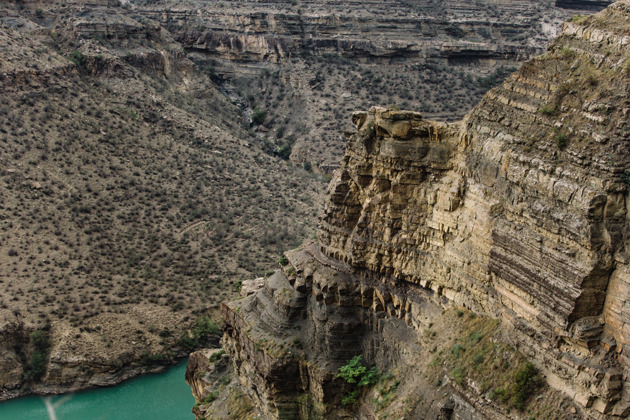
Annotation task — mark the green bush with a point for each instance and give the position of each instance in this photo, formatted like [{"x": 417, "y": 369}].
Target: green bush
[
  {"x": 349, "y": 399},
  {"x": 353, "y": 370},
  {"x": 78, "y": 59},
  {"x": 188, "y": 342},
  {"x": 547, "y": 110},
  {"x": 561, "y": 141},
  {"x": 526, "y": 381},
  {"x": 216, "y": 356},
  {"x": 259, "y": 115},
  {"x": 284, "y": 152},
  {"x": 36, "y": 366}
]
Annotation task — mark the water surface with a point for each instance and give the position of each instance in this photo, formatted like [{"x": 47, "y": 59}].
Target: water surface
[{"x": 163, "y": 396}]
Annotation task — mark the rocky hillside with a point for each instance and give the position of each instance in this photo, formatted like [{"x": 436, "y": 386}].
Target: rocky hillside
[
  {"x": 307, "y": 64},
  {"x": 133, "y": 198},
  {"x": 480, "y": 267}
]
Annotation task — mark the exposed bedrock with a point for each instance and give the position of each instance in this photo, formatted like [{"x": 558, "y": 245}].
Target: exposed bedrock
[
  {"x": 277, "y": 31},
  {"x": 519, "y": 213}
]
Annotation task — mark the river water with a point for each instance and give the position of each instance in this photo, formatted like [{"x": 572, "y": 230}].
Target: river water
[{"x": 163, "y": 396}]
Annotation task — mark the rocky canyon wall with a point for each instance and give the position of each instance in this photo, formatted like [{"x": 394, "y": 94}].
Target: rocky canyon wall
[
  {"x": 518, "y": 213},
  {"x": 307, "y": 64}
]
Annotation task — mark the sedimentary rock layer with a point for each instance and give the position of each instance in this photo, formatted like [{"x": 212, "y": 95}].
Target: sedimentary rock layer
[{"x": 519, "y": 212}]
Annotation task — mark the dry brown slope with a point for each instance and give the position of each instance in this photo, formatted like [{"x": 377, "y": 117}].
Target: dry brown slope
[{"x": 131, "y": 197}]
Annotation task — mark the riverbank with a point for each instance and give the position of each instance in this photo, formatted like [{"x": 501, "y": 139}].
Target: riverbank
[
  {"x": 88, "y": 381},
  {"x": 153, "y": 396}
]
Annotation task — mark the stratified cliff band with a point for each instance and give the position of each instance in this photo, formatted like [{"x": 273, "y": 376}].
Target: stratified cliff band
[{"x": 518, "y": 213}]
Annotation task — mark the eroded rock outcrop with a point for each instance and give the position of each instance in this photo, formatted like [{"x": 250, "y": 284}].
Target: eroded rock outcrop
[{"x": 519, "y": 213}]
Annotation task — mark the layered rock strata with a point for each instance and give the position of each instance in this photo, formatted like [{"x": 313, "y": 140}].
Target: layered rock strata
[
  {"x": 308, "y": 64},
  {"x": 519, "y": 212}
]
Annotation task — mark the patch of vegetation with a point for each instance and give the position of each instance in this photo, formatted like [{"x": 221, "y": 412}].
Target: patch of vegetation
[
  {"x": 387, "y": 386},
  {"x": 495, "y": 78},
  {"x": 356, "y": 373},
  {"x": 579, "y": 18},
  {"x": 562, "y": 141},
  {"x": 478, "y": 354},
  {"x": 36, "y": 367},
  {"x": 350, "y": 398},
  {"x": 78, "y": 59},
  {"x": 457, "y": 350},
  {"x": 216, "y": 355},
  {"x": 201, "y": 334},
  {"x": 526, "y": 382},
  {"x": 153, "y": 359},
  {"x": 211, "y": 397},
  {"x": 259, "y": 115},
  {"x": 547, "y": 110},
  {"x": 240, "y": 407}
]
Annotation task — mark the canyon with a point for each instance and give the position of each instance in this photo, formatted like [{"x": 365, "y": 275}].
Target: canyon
[
  {"x": 155, "y": 155},
  {"x": 310, "y": 64},
  {"x": 455, "y": 257}
]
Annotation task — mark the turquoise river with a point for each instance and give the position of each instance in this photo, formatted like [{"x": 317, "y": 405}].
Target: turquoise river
[{"x": 163, "y": 396}]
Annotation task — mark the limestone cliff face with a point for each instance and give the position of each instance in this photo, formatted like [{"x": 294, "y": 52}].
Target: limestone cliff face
[
  {"x": 519, "y": 212},
  {"x": 277, "y": 31}
]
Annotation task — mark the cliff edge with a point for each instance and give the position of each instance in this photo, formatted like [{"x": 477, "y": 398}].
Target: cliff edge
[{"x": 450, "y": 253}]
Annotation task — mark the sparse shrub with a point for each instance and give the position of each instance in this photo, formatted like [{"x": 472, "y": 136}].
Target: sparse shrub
[
  {"x": 78, "y": 59},
  {"x": 547, "y": 110},
  {"x": 561, "y": 141},
  {"x": 526, "y": 380},
  {"x": 259, "y": 115},
  {"x": 216, "y": 356},
  {"x": 457, "y": 350},
  {"x": 458, "y": 375},
  {"x": 349, "y": 399},
  {"x": 39, "y": 356}
]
